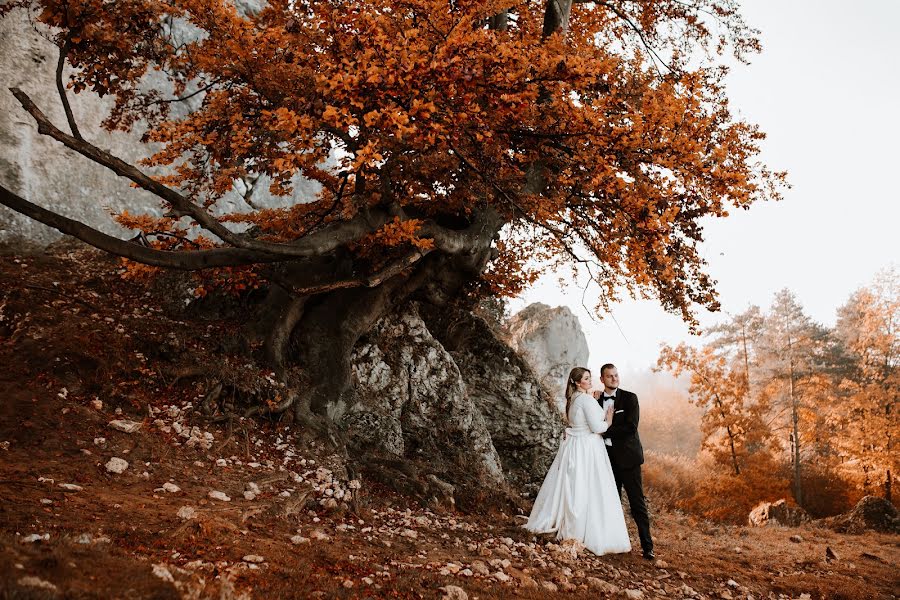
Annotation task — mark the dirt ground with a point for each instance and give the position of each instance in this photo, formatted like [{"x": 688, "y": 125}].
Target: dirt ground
[{"x": 80, "y": 348}]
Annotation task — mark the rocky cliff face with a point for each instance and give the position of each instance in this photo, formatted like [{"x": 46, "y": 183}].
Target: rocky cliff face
[
  {"x": 44, "y": 172},
  {"x": 412, "y": 401},
  {"x": 518, "y": 410},
  {"x": 440, "y": 387},
  {"x": 551, "y": 340}
]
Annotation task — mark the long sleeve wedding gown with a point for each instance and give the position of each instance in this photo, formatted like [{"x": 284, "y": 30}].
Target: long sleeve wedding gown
[{"x": 578, "y": 498}]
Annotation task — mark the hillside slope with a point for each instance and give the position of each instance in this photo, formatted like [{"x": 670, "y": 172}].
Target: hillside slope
[{"x": 80, "y": 350}]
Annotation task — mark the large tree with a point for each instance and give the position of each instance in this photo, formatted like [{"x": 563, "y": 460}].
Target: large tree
[
  {"x": 455, "y": 141},
  {"x": 866, "y": 416},
  {"x": 795, "y": 355}
]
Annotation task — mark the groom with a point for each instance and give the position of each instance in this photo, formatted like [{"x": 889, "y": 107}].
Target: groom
[{"x": 625, "y": 452}]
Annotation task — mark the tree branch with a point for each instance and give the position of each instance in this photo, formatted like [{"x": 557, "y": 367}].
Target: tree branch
[
  {"x": 640, "y": 35},
  {"x": 187, "y": 261},
  {"x": 322, "y": 241},
  {"x": 70, "y": 117},
  {"x": 371, "y": 280}
]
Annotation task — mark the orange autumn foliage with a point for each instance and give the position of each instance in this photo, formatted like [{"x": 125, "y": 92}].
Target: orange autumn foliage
[{"x": 600, "y": 144}]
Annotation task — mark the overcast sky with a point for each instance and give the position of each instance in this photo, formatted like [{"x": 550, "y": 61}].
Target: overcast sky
[{"x": 826, "y": 90}]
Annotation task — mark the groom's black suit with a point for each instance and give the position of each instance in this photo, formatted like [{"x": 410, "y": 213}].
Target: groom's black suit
[{"x": 626, "y": 456}]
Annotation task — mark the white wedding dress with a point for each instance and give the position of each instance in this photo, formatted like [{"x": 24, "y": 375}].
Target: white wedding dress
[{"x": 578, "y": 498}]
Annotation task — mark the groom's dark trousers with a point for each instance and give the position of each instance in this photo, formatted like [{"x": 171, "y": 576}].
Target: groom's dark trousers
[{"x": 626, "y": 456}]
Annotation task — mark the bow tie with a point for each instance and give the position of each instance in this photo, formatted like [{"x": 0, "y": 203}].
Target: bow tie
[{"x": 605, "y": 397}]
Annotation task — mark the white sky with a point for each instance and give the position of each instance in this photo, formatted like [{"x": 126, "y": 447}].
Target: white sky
[{"x": 826, "y": 90}]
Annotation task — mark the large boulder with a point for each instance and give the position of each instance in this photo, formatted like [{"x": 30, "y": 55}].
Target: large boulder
[
  {"x": 411, "y": 402},
  {"x": 551, "y": 340},
  {"x": 871, "y": 512},
  {"x": 777, "y": 513},
  {"x": 519, "y": 412}
]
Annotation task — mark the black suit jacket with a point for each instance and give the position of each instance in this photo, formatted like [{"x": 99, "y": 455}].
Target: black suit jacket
[{"x": 626, "y": 450}]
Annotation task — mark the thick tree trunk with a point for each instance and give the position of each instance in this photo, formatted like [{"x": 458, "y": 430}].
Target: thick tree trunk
[
  {"x": 330, "y": 327},
  {"x": 309, "y": 338}
]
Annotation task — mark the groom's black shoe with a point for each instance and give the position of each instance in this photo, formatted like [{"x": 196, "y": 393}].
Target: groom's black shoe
[{"x": 648, "y": 555}]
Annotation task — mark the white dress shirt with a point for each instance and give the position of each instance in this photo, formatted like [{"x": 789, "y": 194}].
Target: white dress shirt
[{"x": 607, "y": 397}]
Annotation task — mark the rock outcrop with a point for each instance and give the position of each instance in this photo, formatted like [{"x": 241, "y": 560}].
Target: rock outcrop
[
  {"x": 519, "y": 412},
  {"x": 44, "y": 172},
  {"x": 438, "y": 389},
  {"x": 412, "y": 402},
  {"x": 551, "y": 340},
  {"x": 777, "y": 513},
  {"x": 871, "y": 512}
]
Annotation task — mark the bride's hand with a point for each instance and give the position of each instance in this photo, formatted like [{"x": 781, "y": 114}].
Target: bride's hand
[{"x": 609, "y": 414}]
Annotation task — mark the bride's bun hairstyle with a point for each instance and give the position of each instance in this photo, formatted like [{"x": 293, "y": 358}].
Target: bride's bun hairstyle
[{"x": 575, "y": 376}]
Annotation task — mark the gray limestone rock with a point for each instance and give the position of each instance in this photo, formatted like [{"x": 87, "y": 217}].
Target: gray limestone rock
[
  {"x": 411, "y": 400},
  {"x": 551, "y": 340},
  {"x": 777, "y": 513},
  {"x": 44, "y": 172},
  {"x": 519, "y": 412}
]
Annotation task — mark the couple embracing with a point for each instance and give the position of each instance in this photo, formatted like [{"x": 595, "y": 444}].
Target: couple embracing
[{"x": 600, "y": 454}]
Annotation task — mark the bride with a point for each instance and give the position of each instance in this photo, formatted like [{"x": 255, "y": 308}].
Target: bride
[{"x": 578, "y": 498}]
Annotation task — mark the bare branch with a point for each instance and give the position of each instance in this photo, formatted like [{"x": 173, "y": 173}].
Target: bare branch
[
  {"x": 187, "y": 261},
  {"x": 60, "y": 86},
  {"x": 199, "y": 90},
  {"x": 641, "y": 36},
  {"x": 371, "y": 280}
]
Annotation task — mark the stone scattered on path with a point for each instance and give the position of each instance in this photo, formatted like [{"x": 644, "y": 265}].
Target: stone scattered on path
[
  {"x": 71, "y": 487},
  {"x": 187, "y": 512},
  {"x": 253, "y": 558},
  {"x": 454, "y": 592},
  {"x": 251, "y": 491},
  {"x": 125, "y": 425},
  {"x": 217, "y": 495},
  {"x": 171, "y": 487},
  {"x": 36, "y": 582},
  {"x": 163, "y": 573},
  {"x": 604, "y": 587},
  {"x": 116, "y": 465}
]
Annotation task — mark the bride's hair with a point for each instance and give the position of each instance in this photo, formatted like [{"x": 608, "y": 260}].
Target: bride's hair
[{"x": 575, "y": 376}]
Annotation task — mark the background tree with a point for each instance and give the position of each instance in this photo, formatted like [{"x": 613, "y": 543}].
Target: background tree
[
  {"x": 866, "y": 417},
  {"x": 738, "y": 339},
  {"x": 794, "y": 354},
  {"x": 730, "y": 424},
  {"x": 453, "y": 142}
]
